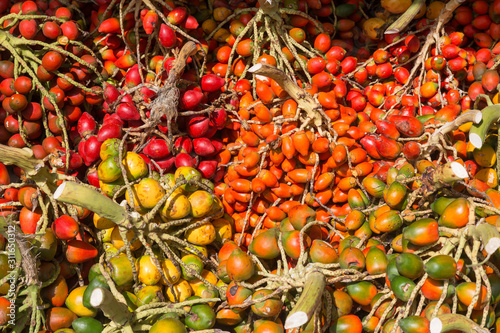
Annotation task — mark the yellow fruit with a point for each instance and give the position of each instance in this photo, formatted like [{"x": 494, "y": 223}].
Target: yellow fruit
[
  {"x": 135, "y": 166},
  {"x": 201, "y": 203},
  {"x": 106, "y": 235},
  {"x": 489, "y": 176},
  {"x": 422, "y": 11},
  {"x": 208, "y": 26},
  {"x": 201, "y": 235},
  {"x": 147, "y": 271},
  {"x": 207, "y": 275},
  {"x": 434, "y": 9},
  {"x": 176, "y": 207},
  {"x": 149, "y": 192},
  {"x": 222, "y": 35},
  {"x": 202, "y": 249},
  {"x": 74, "y": 302},
  {"x": 118, "y": 243},
  {"x": 102, "y": 223},
  {"x": 170, "y": 271},
  {"x": 221, "y": 13},
  {"x": 371, "y": 26},
  {"x": 396, "y": 6},
  {"x": 485, "y": 157},
  {"x": 136, "y": 204},
  {"x": 223, "y": 230},
  {"x": 182, "y": 290}
]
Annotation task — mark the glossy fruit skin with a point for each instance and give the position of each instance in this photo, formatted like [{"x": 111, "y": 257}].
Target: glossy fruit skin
[
  {"x": 87, "y": 325},
  {"x": 456, "y": 214},
  {"x": 352, "y": 258},
  {"x": 168, "y": 325},
  {"x": 65, "y": 227},
  {"x": 376, "y": 261},
  {"x": 362, "y": 292},
  {"x": 410, "y": 265},
  {"x": 74, "y": 303},
  {"x": 58, "y": 317},
  {"x": 57, "y": 292},
  {"x": 268, "y": 308},
  {"x": 240, "y": 266},
  {"x": 98, "y": 282},
  {"x": 441, "y": 267},
  {"x": 201, "y": 317},
  {"x": 402, "y": 287},
  {"x": 265, "y": 245},
  {"x": 422, "y": 232},
  {"x": 414, "y": 324},
  {"x": 465, "y": 292}
]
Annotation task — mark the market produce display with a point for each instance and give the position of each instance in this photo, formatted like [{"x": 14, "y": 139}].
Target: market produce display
[{"x": 254, "y": 166}]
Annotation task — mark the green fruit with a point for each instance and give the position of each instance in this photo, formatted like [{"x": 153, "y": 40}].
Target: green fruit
[
  {"x": 345, "y": 10},
  {"x": 170, "y": 325},
  {"x": 201, "y": 317},
  {"x": 94, "y": 271},
  {"x": 98, "y": 282},
  {"x": 440, "y": 204},
  {"x": 110, "y": 147},
  {"x": 392, "y": 269},
  {"x": 121, "y": 271},
  {"x": 441, "y": 267},
  {"x": 402, "y": 287},
  {"x": 87, "y": 325},
  {"x": 414, "y": 324},
  {"x": 410, "y": 265},
  {"x": 109, "y": 170},
  {"x": 194, "y": 266}
]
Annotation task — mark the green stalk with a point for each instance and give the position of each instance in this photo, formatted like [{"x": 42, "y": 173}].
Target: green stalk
[
  {"x": 308, "y": 302},
  {"x": 83, "y": 196},
  {"x": 478, "y": 132},
  {"x": 405, "y": 19},
  {"x": 489, "y": 237},
  {"x": 118, "y": 312},
  {"x": 450, "y": 322}
]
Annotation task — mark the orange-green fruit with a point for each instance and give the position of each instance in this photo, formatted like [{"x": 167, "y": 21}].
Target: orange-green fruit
[
  {"x": 201, "y": 203},
  {"x": 74, "y": 302}
]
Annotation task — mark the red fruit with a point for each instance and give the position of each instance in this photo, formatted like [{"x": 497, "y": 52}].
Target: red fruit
[
  {"x": 52, "y": 60},
  {"x": 150, "y": 21},
  {"x": 203, "y": 147},
  {"x": 335, "y": 53},
  {"x": 190, "y": 23},
  {"x": 218, "y": 118},
  {"x": 86, "y": 125},
  {"x": 211, "y": 82},
  {"x": 184, "y": 159},
  {"x": 70, "y": 30},
  {"x": 127, "y": 111},
  {"x": 91, "y": 149},
  {"x": 51, "y": 30},
  {"x": 191, "y": 99},
  {"x": 198, "y": 126},
  {"x": 111, "y": 93},
  {"x": 4, "y": 175},
  {"x": 109, "y": 131},
  {"x": 408, "y": 126},
  {"x": 28, "y": 28},
  {"x": 177, "y": 15},
  {"x": 75, "y": 160},
  {"x": 23, "y": 85},
  {"x": 348, "y": 64},
  {"x": 184, "y": 144},
  {"x": 79, "y": 251},
  {"x": 207, "y": 168},
  {"x": 28, "y": 219},
  {"x": 110, "y": 26},
  {"x": 65, "y": 227},
  {"x": 157, "y": 149},
  {"x": 489, "y": 80},
  {"x": 411, "y": 150},
  {"x": 388, "y": 148},
  {"x": 167, "y": 36}
]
